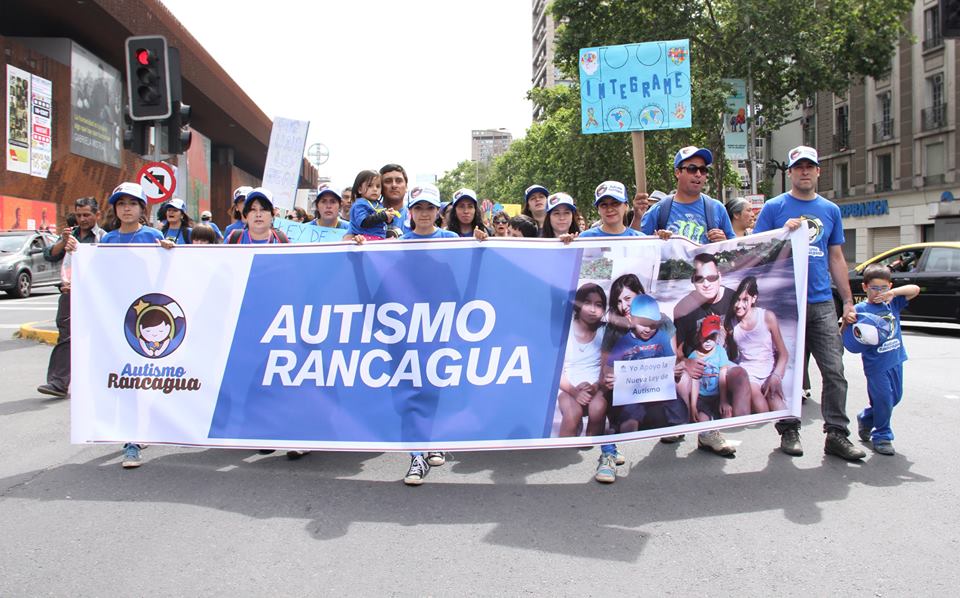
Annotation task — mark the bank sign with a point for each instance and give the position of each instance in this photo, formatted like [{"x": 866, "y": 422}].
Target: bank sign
[
  {"x": 635, "y": 87},
  {"x": 865, "y": 208}
]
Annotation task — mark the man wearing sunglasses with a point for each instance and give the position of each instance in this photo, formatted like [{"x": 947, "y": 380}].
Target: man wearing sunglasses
[
  {"x": 690, "y": 212},
  {"x": 803, "y": 205},
  {"x": 708, "y": 298}
]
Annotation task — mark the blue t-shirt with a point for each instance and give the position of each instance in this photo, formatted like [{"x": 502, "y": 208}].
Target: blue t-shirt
[
  {"x": 630, "y": 347},
  {"x": 891, "y": 353},
  {"x": 179, "y": 235},
  {"x": 359, "y": 211},
  {"x": 712, "y": 362},
  {"x": 689, "y": 219},
  {"x": 439, "y": 233},
  {"x": 401, "y": 222},
  {"x": 232, "y": 227},
  {"x": 599, "y": 232},
  {"x": 213, "y": 225},
  {"x": 146, "y": 234},
  {"x": 825, "y": 226}
]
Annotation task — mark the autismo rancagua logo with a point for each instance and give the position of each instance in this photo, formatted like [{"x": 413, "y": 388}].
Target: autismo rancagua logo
[{"x": 154, "y": 327}]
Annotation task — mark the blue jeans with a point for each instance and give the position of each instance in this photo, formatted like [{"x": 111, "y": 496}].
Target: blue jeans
[
  {"x": 824, "y": 345},
  {"x": 885, "y": 390}
]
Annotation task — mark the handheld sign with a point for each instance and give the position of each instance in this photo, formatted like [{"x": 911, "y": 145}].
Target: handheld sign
[
  {"x": 635, "y": 87},
  {"x": 281, "y": 173},
  {"x": 308, "y": 233}
]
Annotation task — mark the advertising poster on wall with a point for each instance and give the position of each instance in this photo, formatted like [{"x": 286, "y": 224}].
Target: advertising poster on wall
[
  {"x": 735, "y": 121},
  {"x": 26, "y": 214},
  {"x": 18, "y": 120},
  {"x": 41, "y": 140},
  {"x": 96, "y": 97}
]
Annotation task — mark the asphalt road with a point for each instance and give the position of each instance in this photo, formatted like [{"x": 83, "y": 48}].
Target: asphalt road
[
  {"x": 678, "y": 522},
  {"x": 39, "y": 306}
]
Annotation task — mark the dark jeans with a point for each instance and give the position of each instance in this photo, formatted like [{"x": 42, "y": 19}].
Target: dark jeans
[
  {"x": 824, "y": 345},
  {"x": 58, "y": 372}
]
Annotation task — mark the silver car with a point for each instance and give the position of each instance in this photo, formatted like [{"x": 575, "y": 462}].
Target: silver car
[{"x": 22, "y": 265}]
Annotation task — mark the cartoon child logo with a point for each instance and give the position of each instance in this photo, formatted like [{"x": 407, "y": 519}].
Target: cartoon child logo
[
  {"x": 589, "y": 62},
  {"x": 154, "y": 326},
  {"x": 814, "y": 227}
]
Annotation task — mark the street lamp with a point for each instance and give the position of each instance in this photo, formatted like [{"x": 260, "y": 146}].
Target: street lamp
[{"x": 774, "y": 165}]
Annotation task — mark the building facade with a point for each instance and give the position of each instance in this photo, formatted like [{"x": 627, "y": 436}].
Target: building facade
[
  {"x": 544, "y": 72},
  {"x": 889, "y": 147},
  {"x": 487, "y": 144}
]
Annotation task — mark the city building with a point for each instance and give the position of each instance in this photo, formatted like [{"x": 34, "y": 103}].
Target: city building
[
  {"x": 488, "y": 144},
  {"x": 889, "y": 147},
  {"x": 544, "y": 73},
  {"x": 65, "y": 67}
]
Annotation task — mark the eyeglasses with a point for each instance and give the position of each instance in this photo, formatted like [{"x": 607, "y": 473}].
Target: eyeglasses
[
  {"x": 878, "y": 289},
  {"x": 709, "y": 278},
  {"x": 693, "y": 169}
]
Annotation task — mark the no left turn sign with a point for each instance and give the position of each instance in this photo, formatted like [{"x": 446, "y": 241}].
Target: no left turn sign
[{"x": 159, "y": 181}]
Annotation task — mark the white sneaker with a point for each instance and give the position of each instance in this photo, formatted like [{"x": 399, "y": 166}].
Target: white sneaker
[
  {"x": 714, "y": 441},
  {"x": 436, "y": 459}
]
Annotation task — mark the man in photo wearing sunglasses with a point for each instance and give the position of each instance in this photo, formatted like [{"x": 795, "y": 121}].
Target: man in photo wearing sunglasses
[
  {"x": 803, "y": 205},
  {"x": 690, "y": 212},
  {"x": 708, "y": 298}
]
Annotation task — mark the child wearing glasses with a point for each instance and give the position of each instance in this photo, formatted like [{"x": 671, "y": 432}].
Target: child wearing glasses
[
  {"x": 876, "y": 336},
  {"x": 690, "y": 212}
]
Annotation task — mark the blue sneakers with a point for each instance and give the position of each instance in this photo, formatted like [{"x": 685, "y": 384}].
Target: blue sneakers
[{"x": 131, "y": 456}]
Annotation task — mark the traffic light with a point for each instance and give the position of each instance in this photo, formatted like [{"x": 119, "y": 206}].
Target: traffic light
[
  {"x": 950, "y": 18},
  {"x": 177, "y": 133},
  {"x": 136, "y": 136},
  {"x": 148, "y": 77}
]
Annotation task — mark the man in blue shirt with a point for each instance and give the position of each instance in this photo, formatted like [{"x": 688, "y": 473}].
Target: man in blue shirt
[
  {"x": 802, "y": 204},
  {"x": 692, "y": 213}
]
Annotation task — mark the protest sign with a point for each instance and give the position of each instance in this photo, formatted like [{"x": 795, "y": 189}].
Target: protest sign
[
  {"x": 281, "y": 173},
  {"x": 635, "y": 87},
  {"x": 308, "y": 233},
  {"x": 446, "y": 356}
]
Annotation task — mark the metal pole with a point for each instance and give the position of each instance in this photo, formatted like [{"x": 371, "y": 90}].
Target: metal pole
[{"x": 751, "y": 157}]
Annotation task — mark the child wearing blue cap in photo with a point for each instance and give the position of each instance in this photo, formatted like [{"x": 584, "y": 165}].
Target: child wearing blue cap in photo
[
  {"x": 610, "y": 199},
  {"x": 876, "y": 337}
]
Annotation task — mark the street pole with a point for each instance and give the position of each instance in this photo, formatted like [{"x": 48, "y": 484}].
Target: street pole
[{"x": 751, "y": 153}]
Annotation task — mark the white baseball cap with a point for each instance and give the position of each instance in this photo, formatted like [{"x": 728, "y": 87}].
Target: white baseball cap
[
  {"x": 613, "y": 189},
  {"x": 802, "y": 152},
  {"x": 178, "y": 203},
  {"x": 241, "y": 192},
  {"x": 561, "y": 199},
  {"x": 464, "y": 193},
  {"x": 425, "y": 192},
  {"x": 130, "y": 189}
]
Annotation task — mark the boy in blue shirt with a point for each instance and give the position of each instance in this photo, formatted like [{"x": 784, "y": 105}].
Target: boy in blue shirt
[
  {"x": 708, "y": 399},
  {"x": 883, "y": 356}
]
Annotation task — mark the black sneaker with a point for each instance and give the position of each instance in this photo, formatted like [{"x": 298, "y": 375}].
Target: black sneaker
[
  {"x": 53, "y": 391},
  {"x": 294, "y": 455},
  {"x": 790, "y": 442},
  {"x": 671, "y": 439},
  {"x": 839, "y": 445},
  {"x": 863, "y": 431},
  {"x": 883, "y": 447},
  {"x": 419, "y": 468}
]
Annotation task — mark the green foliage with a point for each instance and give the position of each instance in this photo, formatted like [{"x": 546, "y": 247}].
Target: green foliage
[{"x": 465, "y": 174}]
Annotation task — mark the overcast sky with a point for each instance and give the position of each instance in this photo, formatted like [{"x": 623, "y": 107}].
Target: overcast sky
[{"x": 379, "y": 81}]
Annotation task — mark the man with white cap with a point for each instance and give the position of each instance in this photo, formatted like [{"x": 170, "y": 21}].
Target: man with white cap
[
  {"x": 690, "y": 212},
  {"x": 206, "y": 217},
  {"x": 239, "y": 198},
  {"x": 802, "y": 204}
]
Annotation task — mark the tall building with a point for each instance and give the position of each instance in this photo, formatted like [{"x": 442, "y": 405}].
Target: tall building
[
  {"x": 889, "y": 147},
  {"x": 545, "y": 73},
  {"x": 489, "y": 143}
]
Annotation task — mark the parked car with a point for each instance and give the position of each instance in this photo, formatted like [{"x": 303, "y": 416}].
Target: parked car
[
  {"x": 22, "y": 266},
  {"x": 934, "y": 267}
]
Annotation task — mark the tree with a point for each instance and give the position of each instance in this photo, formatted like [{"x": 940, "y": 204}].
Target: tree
[{"x": 464, "y": 174}]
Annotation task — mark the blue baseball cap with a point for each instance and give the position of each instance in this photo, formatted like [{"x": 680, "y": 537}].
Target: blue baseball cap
[
  {"x": 425, "y": 192},
  {"x": 646, "y": 307},
  {"x": 690, "y": 151},
  {"x": 867, "y": 332},
  {"x": 612, "y": 189},
  {"x": 178, "y": 203},
  {"x": 127, "y": 189},
  {"x": 560, "y": 199},
  {"x": 534, "y": 189},
  {"x": 261, "y": 193}
]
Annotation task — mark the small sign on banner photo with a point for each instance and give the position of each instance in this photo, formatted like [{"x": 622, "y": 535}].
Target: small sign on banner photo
[{"x": 159, "y": 181}]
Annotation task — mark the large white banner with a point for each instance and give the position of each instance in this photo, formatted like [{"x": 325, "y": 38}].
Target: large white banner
[{"x": 435, "y": 345}]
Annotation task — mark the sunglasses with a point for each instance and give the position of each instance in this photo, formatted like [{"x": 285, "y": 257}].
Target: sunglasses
[
  {"x": 710, "y": 278},
  {"x": 693, "y": 169}
]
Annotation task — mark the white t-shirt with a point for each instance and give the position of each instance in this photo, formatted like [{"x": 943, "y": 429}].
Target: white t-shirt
[
  {"x": 756, "y": 347},
  {"x": 582, "y": 360}
]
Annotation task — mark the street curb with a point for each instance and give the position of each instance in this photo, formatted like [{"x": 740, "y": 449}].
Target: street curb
[{"x": 30, "y": 331}]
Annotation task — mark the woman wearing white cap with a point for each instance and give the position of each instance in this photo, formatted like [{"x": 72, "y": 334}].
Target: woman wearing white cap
[
  {"x": 535, "y": 203},
  {"x": 465, "y": 218},
  {"x": 130, "y": 206},
  {"x": 239, "y": 196},
  {"x": 178, "y": 226},
  {"x": 326, "y": 207},
  {"x": 561, "y": 221}
]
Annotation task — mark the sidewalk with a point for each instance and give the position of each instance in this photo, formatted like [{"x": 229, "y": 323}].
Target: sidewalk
[{"x": 45, "y": 332}]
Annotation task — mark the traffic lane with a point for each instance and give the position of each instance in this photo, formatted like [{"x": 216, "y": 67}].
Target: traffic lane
[
  {"x": 39, "y": 307},
  {"x": 218, "y": 520}
]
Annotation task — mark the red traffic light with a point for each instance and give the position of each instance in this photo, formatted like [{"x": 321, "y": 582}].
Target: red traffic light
[{"x": 143, "y": 57}]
